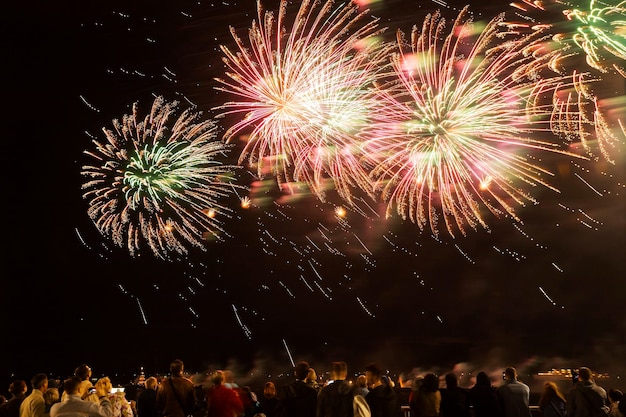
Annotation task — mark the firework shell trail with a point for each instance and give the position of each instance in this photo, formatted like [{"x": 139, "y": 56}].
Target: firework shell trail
[
  {"x": 449, "y": 138},
  {"x": 158, "y": 181},
  {"x": 303, "y": 93}
]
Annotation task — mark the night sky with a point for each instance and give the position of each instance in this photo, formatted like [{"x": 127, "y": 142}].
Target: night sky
[{"x": 292, "y": 278}]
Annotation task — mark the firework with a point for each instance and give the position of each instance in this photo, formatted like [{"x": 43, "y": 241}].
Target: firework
[
  {"x": 305, "y": 93},
  {"x": 597, "y": 33},
  {"x": 158, "y": 186},
  {"x": 447, "y": 138},
  {"x": 601, "y": 34}
]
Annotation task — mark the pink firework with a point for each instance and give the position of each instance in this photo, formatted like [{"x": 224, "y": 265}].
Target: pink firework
[
  {"x": 303, "y": 94},
  {"x": 448, "y": 139}
]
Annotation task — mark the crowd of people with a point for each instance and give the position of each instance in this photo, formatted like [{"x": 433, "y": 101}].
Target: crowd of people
[{"x": 373, "y": 394}]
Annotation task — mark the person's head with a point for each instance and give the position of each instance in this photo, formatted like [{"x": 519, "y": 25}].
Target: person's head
[
  {"x": 301, "y": 370},
  {"x": 615, "y": 395},
  {"x": 151, "y": 383},
  {"x": 104, "y": 384},
  {"x": 361, "y": 381},
  {"x": 430, "y": 383},
  {"x": 311, "y": 376},
  {"x": 482, "y": 379},
  {"x": 269, "y": 390},
  {"x": 373, "y": 373},
  {"x": 550, "y": 389},
  {"x": 584, "y": 374},
  {"x": 18, "y": 387},
  {"x": 40, "y": 382},
  {"x": 177, "y": 367},
  {"x": 417, "y": 383},
  {"x": 51, "y": 396},
  {"x": 510, "y": 374},
  {"x": 72, "y": 385},
  {"x": 83, "y": 372},
  {"x": 338, "y": 371},
  {"x": 218, "y": 378},
  {"x": 451, "y": 380}
]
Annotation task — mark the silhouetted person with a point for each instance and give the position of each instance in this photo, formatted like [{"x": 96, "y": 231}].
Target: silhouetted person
[
  {"x": 84, "y": 372},
  {"x": 73, "y": 405},
  {"x": 586, "y": 399},
  {"x": 268, "y": 403},
  {"x": 361, "y": 386},
  {"x": 34, "y": 405},
  {"x": 552, "y": 402},
  {"x": 298, "y": 399},
  {"x": 146, "y": 400},
  {"x": 615, "y": 396},
  {"x": 484, "y": 398},
  {"x": 454, "y": 400},
  {"x": 426, "y": 401},
  {"x": 335, "y": 399},
  {"x": 176, "y": 396},
  {"x": 222, "y": 401},
  {"x": 11, "y": 408},
  {"x": 514, "y": 395},
  {"x": 381, "y": 398}
]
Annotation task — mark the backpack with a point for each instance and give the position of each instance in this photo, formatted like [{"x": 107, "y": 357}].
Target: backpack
[{"x": 360, "y": 407}]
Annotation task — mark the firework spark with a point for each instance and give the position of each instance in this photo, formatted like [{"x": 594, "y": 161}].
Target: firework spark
[
  {"x": 447, "y": 137},
  {"x": 154, "y": 185},
  {"x": 306, "y": 93}
]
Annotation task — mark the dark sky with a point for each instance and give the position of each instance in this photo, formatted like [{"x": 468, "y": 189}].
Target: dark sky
[{"x": 546, "y": 293}]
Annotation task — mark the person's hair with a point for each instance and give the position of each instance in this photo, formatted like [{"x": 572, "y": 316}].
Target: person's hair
[
  {"x": 151, "y": 382},
  {"x": 361, "y": 381},
  {"x": 176, "y": 367},
  {"x": 269, "y": 390},
  {"x": 584, "y": 373},
  {"x": 551, "y": 390},
  {"x": 38, "y": 381},
  {"x": 82, "y": 371},
  {"x": 482, "y": 379},
  {"x": 622, "y": 407},
  {"x": 311, "y": 376},
  {"x": 375, "y": 370},
  {"x": 430, "y": 383},
  {"x": 18, "y": 387},
  {"x": 104, "y": 383},
  {"x": 71, "y": 385},
  {"x": 615, "y": 395},
  {"x": 338, "y": 370},
  {"x": 510, "y": 372},
  {"x": 51, "y": 396},
  {"x": 301, "y": 370},
  {"x": 218, "y": 378},
  {"x": 451, "y": 380}
]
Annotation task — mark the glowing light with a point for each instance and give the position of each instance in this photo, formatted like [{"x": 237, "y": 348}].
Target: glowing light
[
  {"x": 154, "y": 185},
  {"x": 340, "y": 211},
  {"x": 447, "y": 137},
  {"x": 305, "y": 93},
  {"x": 246, "y": 202}
]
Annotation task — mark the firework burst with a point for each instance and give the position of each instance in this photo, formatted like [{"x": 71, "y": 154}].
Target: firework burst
[
  {"x": 447, "y": 138},
  {"x": 305, "y": 93},
  {"x": 601, "y": 34},
  {"x": 157, "y": 186},
  {"x": 597, "y": 33}
]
